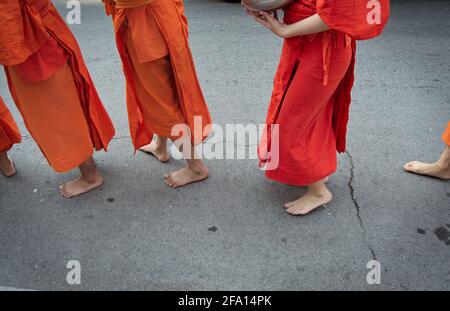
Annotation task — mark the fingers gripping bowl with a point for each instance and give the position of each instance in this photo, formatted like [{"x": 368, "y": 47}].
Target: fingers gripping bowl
[{"x": 266, "y": 5}]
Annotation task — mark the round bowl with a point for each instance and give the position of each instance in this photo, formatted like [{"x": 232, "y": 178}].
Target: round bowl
[{"x": 266, "y": 5}]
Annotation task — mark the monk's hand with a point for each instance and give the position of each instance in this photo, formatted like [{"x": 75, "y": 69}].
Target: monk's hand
[{"x": 270, "y": 22}]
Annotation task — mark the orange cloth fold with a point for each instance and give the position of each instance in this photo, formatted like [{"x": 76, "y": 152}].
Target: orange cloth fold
[
  {"x": 143, "y": 27},
  {"x": 446, "y": 135},
  {"x": 154, "y": 84},
  {"x": 65, "y": 89},
  {"x": 54, "y": 116},
  {"x": 44, "y": 63},
  {"x": 21, "y": 33},
  {"x": 129, "y": 4},
  {"x": 157, "y": 29},
  {"x": 9, "y": 132}
]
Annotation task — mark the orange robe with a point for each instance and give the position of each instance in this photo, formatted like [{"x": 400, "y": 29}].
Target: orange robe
[
  {"x": 52, "y": 87},
  {"x": 9, "y": 132},
  {"x": 308, "y": 114},
  {"x": 446, "y": 135},
  {"x": 162, "y": 86},
  {"x": 21, "y": 34}
]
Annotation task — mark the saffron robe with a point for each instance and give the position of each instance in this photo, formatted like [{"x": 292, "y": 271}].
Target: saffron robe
[
  {"x": 162, "y": 86},
  {"x": 52, "y": 88},
  {"x": 22, "y": 33},
  {"x": 9, "y": 132},
  {"x": 446, "y": 135},
  {"x": 309, "y": 109}
]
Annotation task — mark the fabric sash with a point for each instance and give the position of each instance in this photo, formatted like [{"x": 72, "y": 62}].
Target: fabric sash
[{"x": 112, "y": 5}]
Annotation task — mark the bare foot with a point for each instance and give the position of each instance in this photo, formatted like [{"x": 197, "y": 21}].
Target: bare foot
[
  {"x": 185, "y": 176},
  {"x": 309, "y": 202},
  {"x": 80, "y": 185},
  {"x": 158, "y": 150},
  {"x": 430, "y": 169},
  {"x": 7, "y": 166}
]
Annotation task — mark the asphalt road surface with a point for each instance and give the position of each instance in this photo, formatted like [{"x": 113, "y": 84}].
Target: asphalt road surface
[{"x": 231, "y": 232}]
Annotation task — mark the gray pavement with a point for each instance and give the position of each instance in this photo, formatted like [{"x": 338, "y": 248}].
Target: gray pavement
[{"x": 231, "y": 232}]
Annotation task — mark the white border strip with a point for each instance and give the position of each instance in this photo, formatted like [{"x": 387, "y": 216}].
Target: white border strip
[{"x": 13, "y": 289}]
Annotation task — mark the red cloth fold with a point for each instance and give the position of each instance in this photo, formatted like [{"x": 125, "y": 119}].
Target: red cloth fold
[
  {"x": 290, "y": 58},
  {"x": 360, "y": 19}
]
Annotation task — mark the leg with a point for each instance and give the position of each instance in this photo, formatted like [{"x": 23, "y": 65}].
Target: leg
[
  {"x": 439, "y": 169},
  {"x": 89, "y": 180},
  {"x": 158, "y": 148},
  {"x": 6, "y": 166},
  {"x": 317, "y": 195},
  {"x": 194, "y": 171}
]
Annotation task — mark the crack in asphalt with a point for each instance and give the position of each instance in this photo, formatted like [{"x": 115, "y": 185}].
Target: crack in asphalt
[{"x": 356, "y": 203}]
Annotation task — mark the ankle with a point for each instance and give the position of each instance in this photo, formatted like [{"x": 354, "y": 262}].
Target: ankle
[
  {"x": 443, "y": 165},
  {"x": 160, "y": 141},
  {"x": 161, "y": 146},
  {"x": 156, "y": 143},
  {"x": 4, "y": 156},
  {"x": 321, "y": 192},
  {"x": 197, "y": 166},
  {"x": 91, "y": 178}
]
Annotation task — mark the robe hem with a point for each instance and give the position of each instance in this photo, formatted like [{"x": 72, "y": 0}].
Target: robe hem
[
  {"x": 64, "y": 168},
  {"x": 296, "y": 181},
  {"x": 6, "y": 148}
]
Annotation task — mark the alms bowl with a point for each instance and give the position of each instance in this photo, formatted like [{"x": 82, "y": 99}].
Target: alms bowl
[{"x": 266, "y": 5}]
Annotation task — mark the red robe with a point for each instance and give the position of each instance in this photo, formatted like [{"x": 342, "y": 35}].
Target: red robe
[{"x": 310, "y": 116}]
